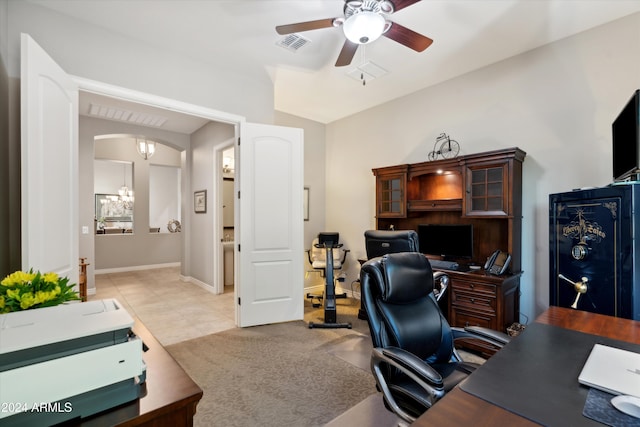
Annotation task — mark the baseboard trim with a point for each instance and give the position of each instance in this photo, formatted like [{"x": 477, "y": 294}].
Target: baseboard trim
[
  {"x": 207, "y": 287},
  {"x": 135, "y": 268}
]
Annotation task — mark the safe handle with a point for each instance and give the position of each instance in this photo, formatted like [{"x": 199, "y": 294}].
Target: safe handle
[{"x": 580, "y": 288}]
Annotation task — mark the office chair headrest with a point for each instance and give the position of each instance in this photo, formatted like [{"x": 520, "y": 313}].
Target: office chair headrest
[
  {"x": 380, "y": 242},
  {"x": 407, "y": 275}
]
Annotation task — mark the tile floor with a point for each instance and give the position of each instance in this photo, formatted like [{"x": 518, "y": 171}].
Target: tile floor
[{"x": 171, "y": 309}]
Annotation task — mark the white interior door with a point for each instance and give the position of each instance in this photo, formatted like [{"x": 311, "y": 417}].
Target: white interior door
[
  {"x": 49, "y": 115},
  {"x": 271, "y": 180}
]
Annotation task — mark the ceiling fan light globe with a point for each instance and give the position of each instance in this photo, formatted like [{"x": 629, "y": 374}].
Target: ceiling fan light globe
[{"x": 364, "y": 27}]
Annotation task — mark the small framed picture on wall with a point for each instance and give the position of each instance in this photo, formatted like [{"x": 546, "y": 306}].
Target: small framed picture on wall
[{"x": 200, "y": 201}]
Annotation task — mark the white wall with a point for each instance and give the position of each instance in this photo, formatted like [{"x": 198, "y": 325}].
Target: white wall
[
  {"x": 315, "y": 179},
  {"x": 95, "y": 53},
  {"x": 556, "y": 103}
]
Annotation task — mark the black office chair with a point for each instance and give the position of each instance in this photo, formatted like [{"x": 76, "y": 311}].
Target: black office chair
[
  {"x": 414, "y": 360},
  {"x": 381, "y": 242}
]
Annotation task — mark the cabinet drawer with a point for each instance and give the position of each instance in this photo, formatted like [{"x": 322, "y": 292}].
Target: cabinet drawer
[
  {"x": 473, "y": 301},
  {"x": 485, "y": 289},
  {"x": 435, "y": 205},
  {"x": 462, "y": 318}
]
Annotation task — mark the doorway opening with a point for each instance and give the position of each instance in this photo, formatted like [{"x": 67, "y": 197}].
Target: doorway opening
[{"x": 125, "y": 97}]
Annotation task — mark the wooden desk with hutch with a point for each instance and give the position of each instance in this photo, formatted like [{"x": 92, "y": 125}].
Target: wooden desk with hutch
[{"x": 483, "y": 189}]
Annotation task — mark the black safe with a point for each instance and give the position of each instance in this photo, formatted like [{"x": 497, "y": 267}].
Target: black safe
[{"x": 594, "y": 249}]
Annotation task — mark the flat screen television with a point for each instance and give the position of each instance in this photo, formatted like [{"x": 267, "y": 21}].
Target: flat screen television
[
  {"x": 626, "y": 139},
  {"x": 450, "y": 241}
]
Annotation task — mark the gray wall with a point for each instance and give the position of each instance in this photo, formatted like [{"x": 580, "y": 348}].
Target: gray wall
[
  {"x": 138, "y": 249},
  {"x": 201, "y": 245},
  {"x": 556, "y": 103},
  {"x": 5, "y": 247},
  {"x": 10, "y": 248}
]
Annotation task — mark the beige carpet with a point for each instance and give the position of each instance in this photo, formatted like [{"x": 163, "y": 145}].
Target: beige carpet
[{"x": 282, "y": 374}]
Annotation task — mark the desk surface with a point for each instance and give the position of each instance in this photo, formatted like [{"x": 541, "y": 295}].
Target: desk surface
[{"x": 461, "y": 408}]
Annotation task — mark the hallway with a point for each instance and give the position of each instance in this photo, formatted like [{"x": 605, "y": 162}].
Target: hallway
[{"x": 171, "y": 309}]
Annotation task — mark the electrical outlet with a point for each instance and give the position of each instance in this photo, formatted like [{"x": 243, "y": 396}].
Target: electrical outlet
[{"x": 85, "y": 229}]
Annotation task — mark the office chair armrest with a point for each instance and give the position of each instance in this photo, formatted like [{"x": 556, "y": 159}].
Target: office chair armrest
[
  {"x": 496, "y": 338},
  {"x": 415, "y": 368},
  {"x": 408, "y": 363},
  {"x": 442, "y": 278}
]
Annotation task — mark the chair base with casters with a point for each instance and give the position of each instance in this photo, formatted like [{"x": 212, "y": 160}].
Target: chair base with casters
[
  {"x": 328, "y": 241},
  {"x": 414, "y": 360}
]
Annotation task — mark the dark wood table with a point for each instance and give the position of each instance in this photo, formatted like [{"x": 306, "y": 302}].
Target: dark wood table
[
  {"x": 170, "y": 397},
  {"x": 459, "y": 408}
]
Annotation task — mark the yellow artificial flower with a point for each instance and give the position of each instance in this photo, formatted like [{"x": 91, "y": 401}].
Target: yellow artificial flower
[
  {"x": 43, "y": 296},
  {"x": 18, "y": 278},
  {"x": 50, "y": 277},
  {"x": 1, "y": 303},
  {"x": 13, "y": 293},
  {"x": 27, "y": 300}
]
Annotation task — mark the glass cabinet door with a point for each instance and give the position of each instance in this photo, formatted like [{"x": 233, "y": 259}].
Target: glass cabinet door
[
  {"x": 487, "y": 191},
  {"x": 391, "y": 196}
]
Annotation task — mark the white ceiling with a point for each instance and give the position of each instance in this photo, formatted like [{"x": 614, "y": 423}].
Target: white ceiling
[{"x": 467, "y": 34}]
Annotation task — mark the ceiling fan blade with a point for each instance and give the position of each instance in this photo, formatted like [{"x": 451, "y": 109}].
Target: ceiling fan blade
[
  {"x": 407, "y": 37},
  {"x": 401, "y": 4},
  {"x": 305, "y": 26},
  {"x": 347, "y": 53}
]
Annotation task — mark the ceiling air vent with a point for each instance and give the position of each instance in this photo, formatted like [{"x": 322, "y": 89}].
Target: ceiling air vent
[
  {"x": 367, "y": 72},
  {"x": 293, "y": 42},
  {"x": 118, "y": 114}
]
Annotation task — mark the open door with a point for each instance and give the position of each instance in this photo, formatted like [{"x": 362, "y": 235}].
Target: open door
[
  {"x": 271, "y": 180},
  {"x": 49, "y": 114}
]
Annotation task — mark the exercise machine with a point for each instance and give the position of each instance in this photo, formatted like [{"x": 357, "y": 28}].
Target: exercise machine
[{"x": 329, "y": 242}]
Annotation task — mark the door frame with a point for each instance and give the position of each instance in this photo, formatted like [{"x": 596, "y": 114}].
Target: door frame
[{"x": 218, "y": 234}]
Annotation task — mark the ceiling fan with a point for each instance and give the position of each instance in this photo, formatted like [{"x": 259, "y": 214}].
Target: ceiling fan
[{"x": 365, "y": 21}]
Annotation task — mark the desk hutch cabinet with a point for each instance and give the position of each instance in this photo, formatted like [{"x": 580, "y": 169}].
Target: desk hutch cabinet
[{"x": 483, "y": 189}]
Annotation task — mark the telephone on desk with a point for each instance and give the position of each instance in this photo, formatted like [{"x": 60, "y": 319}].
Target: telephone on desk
[{"x": 498, "y": 263}]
